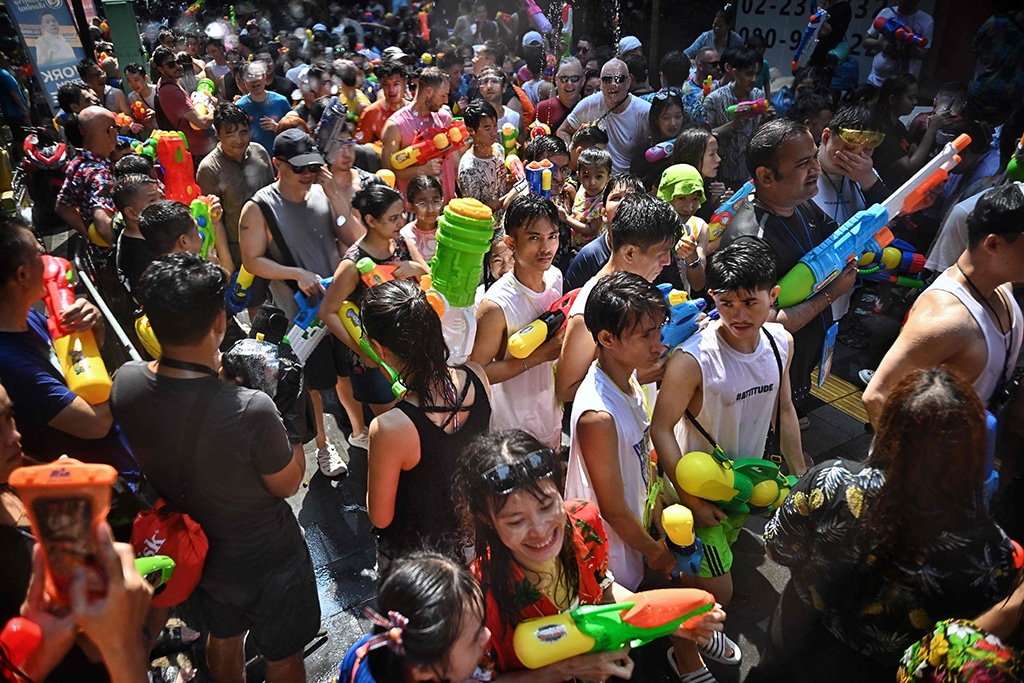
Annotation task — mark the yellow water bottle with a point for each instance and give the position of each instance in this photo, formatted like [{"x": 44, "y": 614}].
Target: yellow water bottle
[{"x": 83, "y": 367}]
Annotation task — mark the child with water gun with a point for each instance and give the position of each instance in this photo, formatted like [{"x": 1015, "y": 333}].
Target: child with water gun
[
  {"x": 682, "y": 186},
  {"x": 594, "y": 170},
  {"x": 482, "y": 173}
]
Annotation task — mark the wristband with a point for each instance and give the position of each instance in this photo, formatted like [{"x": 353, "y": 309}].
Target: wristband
[
  {"x": 526, "y": 368},
  {"x": 828, "y": 297},
  {"x": 695, "y": 264}
]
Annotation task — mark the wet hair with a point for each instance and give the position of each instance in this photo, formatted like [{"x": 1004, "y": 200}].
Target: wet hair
[
  {"x": 644, "y": 221},
  {"x": 747, "y": 264},
  {"x": 809, "y": 106},
  {"x": 431, "y": 77},
  {"x": 432, "y": 592},
  {"x": 740, "y": 58},
  {"x": 375, "y": 200},
  {"x": 691, "y": 145},
  {"x": 595, "y": 157},
  {"x": 675, "y": 67},
  {"x": 625, "y": 180},
  {"x": 422, "y": 183},
  {"x": 765, "y": 144},
  {"x": 16, "y": 247},
  {"x": 135, "y": 68},
  {"x": 398, "y": 316},
  {"x": 588, "y": 136},
  {"x": 854, "y": 117},
  {"x": 544, "y": 147},
  {"x": 495, "y": 71},
  {"x": 161, "y": 55},
  {"x": 894, "y": 86},
  {"x": 1000, "y": 211},
  {"x": 478, "y": 506},
  {"x": 127, "y": 188},
  {"x": 182, "y": 295},
  {"x": 980, "y": 139},
  {"x": 619, "y": 302},
  {"x": 69, "y": 93},
  {"x": 661, "y": 103},
  {"x": 388, "y": 68},
  {"x": 83, "y": 67},
  {"x": 535, "y": 60},
  {"x": 476, "y": 111},
  {"x": 163, "y": 222},
  {"x": 525, "y": 210},
  {"x": 228, "y": 113},
  {"x": 132, "y": 164},
  {"x": 636, "y": 64},
  {"x": 449, "y": 59}
]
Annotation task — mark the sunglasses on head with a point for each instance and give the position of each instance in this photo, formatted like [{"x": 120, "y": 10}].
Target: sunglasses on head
[
  {"x": 310, "y": 168},
  {"x": 569, "y": 79},
  {"x": 503, "y": 479},
  {"x": 617, "y": 78},
  {"x": 870, "y": 138},
  {"x": 667, "y": 93}
]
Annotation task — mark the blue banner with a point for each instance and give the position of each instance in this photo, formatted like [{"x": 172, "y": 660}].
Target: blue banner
[{"x": 49, "y": 31}]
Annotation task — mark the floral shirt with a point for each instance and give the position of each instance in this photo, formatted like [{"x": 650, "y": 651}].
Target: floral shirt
[
  {"x": 592, "y": 561},
  {"x": 586, "y": 209},
  {"x": 958, "y": 650},
  {"x": 964, "y": 566},
  {"x": 89, "y": 180}
]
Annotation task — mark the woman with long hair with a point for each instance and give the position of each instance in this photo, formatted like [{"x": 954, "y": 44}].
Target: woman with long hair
[
  {"x": 882, "y": 550},
  {"x": 537, "y": 554},
  {"x": 414, "y": 447},
  {"x": 697, "y": 146},
  {"x": 665, "y": 120}
]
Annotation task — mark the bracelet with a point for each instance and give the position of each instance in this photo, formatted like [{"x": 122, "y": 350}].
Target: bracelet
[
  {"x": 526, "y": 368},
  {"x": 695, "y": 264},
  {"x": 828, "y": 298}
]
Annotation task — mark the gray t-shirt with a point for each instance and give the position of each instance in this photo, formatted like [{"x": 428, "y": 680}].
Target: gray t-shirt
[{"x": 251, "y": 532}]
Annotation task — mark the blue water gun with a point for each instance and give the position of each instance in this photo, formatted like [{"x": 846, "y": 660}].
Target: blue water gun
[
  {"x": 309, "y": 305},
  {"x": 683, "y": 315},
  {"x": 809, "y": 41}
]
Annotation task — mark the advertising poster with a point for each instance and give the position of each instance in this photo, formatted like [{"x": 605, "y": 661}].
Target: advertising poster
[{"x": 49, "y": 31}]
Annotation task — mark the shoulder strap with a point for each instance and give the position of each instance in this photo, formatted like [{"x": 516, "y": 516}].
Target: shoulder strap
[
  {"x": 275, "y": 234},
  {"x": 161, "y": 117},
  {"x": 776, "y": 437},
  {"x": 190, "y": 439}
]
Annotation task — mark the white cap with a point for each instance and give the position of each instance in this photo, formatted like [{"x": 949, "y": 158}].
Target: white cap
[
  {"x": 532, "y": 38},
  {"x": 628, "y": 44}
]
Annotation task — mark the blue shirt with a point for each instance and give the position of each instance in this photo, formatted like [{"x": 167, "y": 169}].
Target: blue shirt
[
  {"x": 707, "y": 39},
  {"x": 590, "y": 259},
  {"x": 7, "y": 103},
  {"x": 275, "y": 106}
]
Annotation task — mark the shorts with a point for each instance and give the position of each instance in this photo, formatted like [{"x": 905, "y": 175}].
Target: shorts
[
  {"x": 717, "y": 541},
  {"x": 281, "y": 615},
  {"x": 259, "y": 292},
  {"x": 369, "y": 385},
  {"x": 326, "y": 364}
]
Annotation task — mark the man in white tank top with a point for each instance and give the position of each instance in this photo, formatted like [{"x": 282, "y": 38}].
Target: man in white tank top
[
  {"x": 728, "y": 376},
  {"x": 967, "y": 321}
]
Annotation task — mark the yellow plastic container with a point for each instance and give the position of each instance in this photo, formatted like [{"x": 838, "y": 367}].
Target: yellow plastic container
[
  {"x": 83, "y": 367},
  {"x": 540, "y": 642}
]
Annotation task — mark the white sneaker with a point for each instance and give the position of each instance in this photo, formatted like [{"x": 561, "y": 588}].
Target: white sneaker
[
  {"x": 361, "y": 441},
  {"x": 865, "y": 375},
  {"x": 330, "y": 461}
]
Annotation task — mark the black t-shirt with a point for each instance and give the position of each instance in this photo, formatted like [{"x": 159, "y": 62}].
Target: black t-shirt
[
  {"x": 282, "y": 86},
  {"x": 839, "y": 16},
  {"x": 133, "y": 255},
  {"x": 894, "y": 147}
]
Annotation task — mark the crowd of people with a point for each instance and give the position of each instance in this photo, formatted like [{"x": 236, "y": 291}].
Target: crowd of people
[{"x": 506, "y": 484}]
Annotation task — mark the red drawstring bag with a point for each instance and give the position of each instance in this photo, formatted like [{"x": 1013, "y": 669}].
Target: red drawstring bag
[{"x": 164, "y": 531}]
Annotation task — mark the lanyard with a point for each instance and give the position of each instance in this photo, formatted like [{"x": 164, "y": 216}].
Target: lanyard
[{"x": 187, "y": 366}]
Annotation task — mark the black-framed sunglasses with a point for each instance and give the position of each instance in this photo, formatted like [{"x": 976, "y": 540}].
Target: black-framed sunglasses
[
  {"x": 569, "y": 79},
  {"x": 617, "y": 78},
  {"x": 309, "y": 168},
  {"x": 503, "y": 479}
]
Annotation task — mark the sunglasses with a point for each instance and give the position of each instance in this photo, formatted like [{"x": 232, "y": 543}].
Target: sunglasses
[
  {"x": 569, "y": 79},
  {"x": 853, "y": 137},
  {"x": 503, "y": 479},
  {"x": 711, "y": 63},
  {"x": 618, "y": 78},
  {"x": 667, "y": 93},
  {"x": 493, "y": 80},
  {"x": 311, "y": 168}
]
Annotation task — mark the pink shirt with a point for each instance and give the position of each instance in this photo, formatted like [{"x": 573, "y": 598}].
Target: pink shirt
[{"x": 410, "y": 124}]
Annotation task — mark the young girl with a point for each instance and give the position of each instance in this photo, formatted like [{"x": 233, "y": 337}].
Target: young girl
[
  {"x": 382, "y": 211},
  {"x": 587, "y": 217},
  {"x": 537, "y": 554},
  {"x": 430, "y": 626},
  {"x": 413, "y": 448},
  {"x": 665, "y": 120},
  {"x": 682, "y": 186},
  {"x": 482, "y": 172},
  {"x": 425, "y": 197},
  {"x": 499, "y": 260},
  {"x": 697, "y": 146}
]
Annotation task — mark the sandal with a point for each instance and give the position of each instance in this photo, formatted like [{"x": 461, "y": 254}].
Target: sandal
[
  {"x": 700, "y": 676},
  {"x": 716, "y": 649},
  {"x": 804, "y": 422},
  {"x": 173, "y": 639}
]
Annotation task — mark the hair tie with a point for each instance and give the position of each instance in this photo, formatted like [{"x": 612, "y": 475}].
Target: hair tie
[{"x": 393, "y": 626}]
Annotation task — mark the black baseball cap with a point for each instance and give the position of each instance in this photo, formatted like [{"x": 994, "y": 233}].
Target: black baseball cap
[{"x": 296, "y": 147}]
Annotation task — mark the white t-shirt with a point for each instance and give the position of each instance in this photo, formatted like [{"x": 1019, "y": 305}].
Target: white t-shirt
[
  {"x": 508, "y": 116},
  {"x": 952, "y": 238},
  {"x": 134, "y": 97},
  {"x": 598, "y": 392},
  {"x": 627, "y": 131},
  {"x": 884, "y": 66},
  {"x": 426, "y": 242}
]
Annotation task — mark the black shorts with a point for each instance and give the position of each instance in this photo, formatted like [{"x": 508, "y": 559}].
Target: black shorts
[
  {"x": 369, "y": 385},
  {"x": 259, "y": 292},
  {"x": 326, "y": 364},
  {"x": 282, "y": 615}
]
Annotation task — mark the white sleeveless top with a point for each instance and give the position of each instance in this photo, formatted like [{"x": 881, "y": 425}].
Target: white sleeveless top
[
  {"x": 740, "y": 392},
  {"x": 599, "y": 393},
  {"x": 527, "y": 401},
  {"x": 995, "y": 343}
]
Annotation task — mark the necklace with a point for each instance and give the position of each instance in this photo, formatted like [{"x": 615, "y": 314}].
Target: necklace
[
  {"x": 6, "y": 488},
  {"x": 518, "y": 285},
  {"x": 1007, "y": 340}
]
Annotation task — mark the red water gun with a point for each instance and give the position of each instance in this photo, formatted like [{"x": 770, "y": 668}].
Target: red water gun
[
  {"x": 899, "y": 31},
  {"x": 525, "y": 341},
  {"x": 122, "y": 120},
  {"x": 139, "y": 111},
  {"x": 431, "y": 144},
  {"x": 176, "y": 163}
]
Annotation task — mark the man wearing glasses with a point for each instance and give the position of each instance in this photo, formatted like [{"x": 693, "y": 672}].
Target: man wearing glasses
[
  {"x": 623, "y": 116},
  {"x": 707, "y": 63},
  {"x": 568, "y": 85},
  {"x": 264, "y": 107},
  {"x": 848, "y": 182},
  {"x": 85, "y": 197},
  {"x": 175, "y": 105}
]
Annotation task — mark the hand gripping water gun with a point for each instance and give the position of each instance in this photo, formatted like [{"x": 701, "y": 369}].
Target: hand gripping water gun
[
  {"x": 739, "y": 487},
  {"x": 200, "y": 209},
  {"x": 537, "y": 18},
  {"x": 600, "y": 628},
  {"x": 899, "y": 31},
  {"x": 349, "y": 314},
  {"x": 509, "y": 138},
  {"x": 809, "y": 41},
  {"x": 660, "y": 151},
  {"x": 139, "y": 111},
  {"x": 527, "y": 340},
  {"x": 749, "y": 108},
  {"x": 866, "y": 230},
  {"x": 464, "y": 234},
  {"x": 678, "y": 523},
  {"x": 1015, "y": 169},
  {"x": 176, "y": 164},
  {"x": 515, "y": 166},
  {"x": 122, "y": 120},
  {"x": 538, "y": 177},
  {"x": 431, "y": 144},
  {"x": 79, "y": 356},
  {"x": 238, "y": 290},
  {"x": 726, "y": 212},
  {"x": 307, "y": 329},
  {"x": 683, "y": 315},
  {"x": 202, "y": 98},
  {"x": 897, "y": 263}
]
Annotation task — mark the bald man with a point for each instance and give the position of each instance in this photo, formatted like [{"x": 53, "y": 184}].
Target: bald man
[{"x": 85, "y": 197}]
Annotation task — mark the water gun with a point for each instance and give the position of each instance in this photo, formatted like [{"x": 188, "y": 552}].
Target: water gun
[
  {"x": 424, "y": 26},
  {"x": 202, "y": 98},
  {"x": 178, "y": 169},
  {"x": 749, "y": 108},
  {"x": 660, "y": 151},
  {"x": 809, "y": 41},
  {"x": 527, "y": 340},
  {"x": 537, "y": 18},
  {"x": 515, "y": 166},
  {"x": 538, "y": 128},
  {"x": 238, "y": 290},
  {"x": 146, "y": 148},
  {"x": 147, "y": 337},
  {"x": 866, "y": 230},
  {"x": 122, "y": 120},
  {"x": 509, "y": 138},
  {"x": 708, "y": 85},
  {"x": 309, "y": 305},
  {"x": 349, "y": 314},
  {"x": 388, "y": 176},
  {"x": 897, "y": 263},
  {"x": 1015, "y": 169},
  {"x": 567, "y": 26},
  {"x": 19, "y": 639},
  {"x": 374, "y": 273},
  {"x": 726, "y": 212},
  {"x": 677, "y": 521},
  {"x": 538, "y": 177},
  {"x": 899, "y": 31},
  {"x": 195, "y": 7},
  {"x": 431, "y": 144},
  {"x": 200, "y": 209},
  {"x": 599, "y": 628},
  {"x": 157, "y": 569},
  {"x": 78, "y": 353},
  {"x": 739, "y": 487},
  {"x": 139, "y": 111},
  {"x": 683, "y": 314},
  {"x": 504, "y": 17},
  {"x": 308, "y": 329}
]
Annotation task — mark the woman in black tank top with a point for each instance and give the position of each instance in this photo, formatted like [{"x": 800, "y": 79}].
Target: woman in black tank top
[{"x": 414, "y": 447}]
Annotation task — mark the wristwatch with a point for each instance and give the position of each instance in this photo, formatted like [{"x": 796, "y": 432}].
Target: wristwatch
[{"x": 695, "y": 264}]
